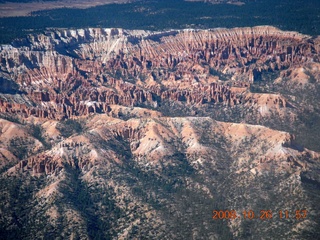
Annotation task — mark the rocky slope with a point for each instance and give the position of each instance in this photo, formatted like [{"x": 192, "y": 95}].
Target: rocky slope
[{"x": 117, "y": 134}]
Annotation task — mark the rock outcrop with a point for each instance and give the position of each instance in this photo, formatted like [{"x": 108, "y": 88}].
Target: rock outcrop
[
  {"x": 119, "y": 134},
  {"x": 67, "y": 73}
]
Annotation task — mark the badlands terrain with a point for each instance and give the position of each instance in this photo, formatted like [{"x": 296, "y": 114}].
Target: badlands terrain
[{"x": 131, "y": 134}]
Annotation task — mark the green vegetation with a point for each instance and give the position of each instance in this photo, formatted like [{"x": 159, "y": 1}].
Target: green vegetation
[
  {"x": 78, "y": 195},
  {"x": 36, "y": 131},
  {"x": 10, "y": 117},
  {"x": 307, "y": 124},
  {"x": 19, "y": 146},
  {"x": 169, "y": 14},
  {"x": 69, "y": 127},
  {"x": 18, "y": 202},
  {"x": 223, "y": 77},
  {"x": 8, "y": 86},
  {"x": 264, "y": 82}
]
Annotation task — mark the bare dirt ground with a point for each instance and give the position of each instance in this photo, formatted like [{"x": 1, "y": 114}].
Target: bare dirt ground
[{"x": 9, "y": 9}]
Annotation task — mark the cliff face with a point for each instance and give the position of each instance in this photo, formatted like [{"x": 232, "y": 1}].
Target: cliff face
[
  {"x": 118, "y": 134},
  {"x": 77, "y": 72}
]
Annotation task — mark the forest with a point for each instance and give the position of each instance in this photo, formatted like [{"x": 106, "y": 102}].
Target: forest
[{"x": 301, "y": 16}]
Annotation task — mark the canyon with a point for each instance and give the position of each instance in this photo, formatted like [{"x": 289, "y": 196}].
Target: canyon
[
  {"x": 77, "y": 72},
  {"x": 118, "y": 134}
]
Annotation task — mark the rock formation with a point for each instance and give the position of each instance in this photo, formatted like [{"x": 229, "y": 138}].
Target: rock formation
[
  {"x": 118, "y": 134},
  {"x": 67, "y": 73}
]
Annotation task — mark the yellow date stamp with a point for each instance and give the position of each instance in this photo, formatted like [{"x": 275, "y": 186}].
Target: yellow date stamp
[{"x": 262, "y": 214}]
